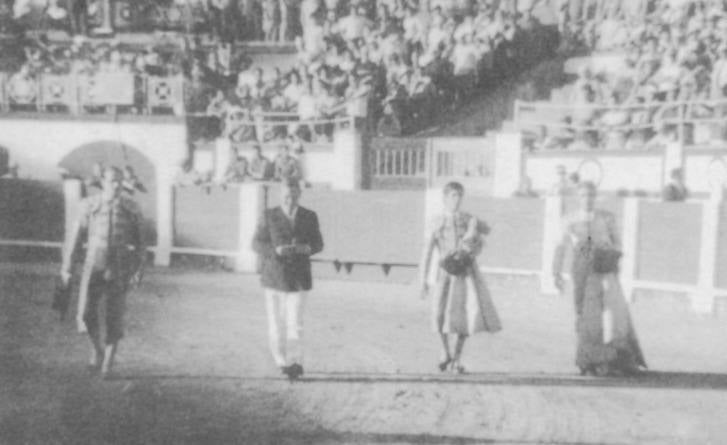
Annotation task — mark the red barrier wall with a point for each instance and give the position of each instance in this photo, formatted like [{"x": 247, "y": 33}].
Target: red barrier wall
[
  {"x": 31, "y": 210},
  {"x": 516, "y": 240},
  {"x": 669, "y": 242},
  {"x": 206, "y": 218},
  {"x": 369, "y": 226}
]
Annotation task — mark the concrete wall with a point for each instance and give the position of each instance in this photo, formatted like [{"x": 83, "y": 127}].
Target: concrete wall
[{"x": 38, "y": 147}]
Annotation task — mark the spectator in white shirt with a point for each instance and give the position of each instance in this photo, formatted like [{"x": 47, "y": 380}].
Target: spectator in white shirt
[{"x": 355, "y": 25}]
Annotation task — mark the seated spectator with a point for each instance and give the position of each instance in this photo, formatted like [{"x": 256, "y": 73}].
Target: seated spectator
[
  {"x": 676, "y": 190},
  {"x": 286, "y": 166},
  {"x": 583, "y": 141},
  {"x": 260, "y": 168},
  {"x": 237, "y": 171},
  {"x": 239, "y": 125}
]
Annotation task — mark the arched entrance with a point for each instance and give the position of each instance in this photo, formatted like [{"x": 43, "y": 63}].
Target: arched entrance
[{"x": 80, "y": 161}]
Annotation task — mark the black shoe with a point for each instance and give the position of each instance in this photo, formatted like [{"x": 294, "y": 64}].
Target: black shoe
[
  {"x": 443, "y": 365},
  {"x": 295, "y": 371}
]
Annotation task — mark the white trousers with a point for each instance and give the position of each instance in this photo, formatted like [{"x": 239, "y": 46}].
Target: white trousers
[{"x": 285, "y": 325}]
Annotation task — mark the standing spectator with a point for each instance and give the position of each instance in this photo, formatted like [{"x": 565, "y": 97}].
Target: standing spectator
[
  {"x": 271, "y": 20},
  {"x": 719, "y": 75},
  {"x": 260, "y": 168},
  {"x": 251, "y": 17},
  {"x": 675, "y": 190},
  {"x": 290, "y": 22},
  {"x": 222, "y": 19},
  {"x": 78, "y": 15}
]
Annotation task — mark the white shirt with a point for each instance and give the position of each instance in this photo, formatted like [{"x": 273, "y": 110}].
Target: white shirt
[
  {"x": 414, "y": 28},
  {"x": 464, "y": 59},
  {"x": 353, "y": 27}
]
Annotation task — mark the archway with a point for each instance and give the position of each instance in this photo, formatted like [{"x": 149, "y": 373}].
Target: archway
[{"x": 80, "y": 161}]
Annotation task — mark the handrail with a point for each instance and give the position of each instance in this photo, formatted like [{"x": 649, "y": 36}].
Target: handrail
[{"x": 572, "y": 107}]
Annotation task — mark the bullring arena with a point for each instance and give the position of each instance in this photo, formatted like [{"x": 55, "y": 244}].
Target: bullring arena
[{"x": 209, "y": 109}]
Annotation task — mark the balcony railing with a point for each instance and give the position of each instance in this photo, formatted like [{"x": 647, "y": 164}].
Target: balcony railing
[
  {"x": 683, "y": 116},
  {"x": 118, "y": 93}
]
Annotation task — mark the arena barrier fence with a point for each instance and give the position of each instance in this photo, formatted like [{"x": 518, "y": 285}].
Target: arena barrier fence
[{"x": 386, "y": 229}]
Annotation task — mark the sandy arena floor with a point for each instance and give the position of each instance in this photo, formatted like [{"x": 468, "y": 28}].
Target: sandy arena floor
[{"x": 194, "y": 368}]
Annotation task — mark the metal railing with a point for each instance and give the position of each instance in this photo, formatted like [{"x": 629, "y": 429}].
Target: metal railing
[
  {"x": 580, "y": 118},
  {"x": 249, "y": 128},
  {"x": 430, "y": 162}
]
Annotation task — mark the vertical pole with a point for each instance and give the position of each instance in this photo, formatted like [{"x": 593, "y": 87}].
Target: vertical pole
[
  {"x": 251, "y": 207},
  {"x": 107, "y": 25},
  {"x": 165, "y": 217},
  {"x": 629, "y": 246},
  {"x": 430, "y": 163},
  {"x": 72, "y": 195},
  {"x": 703, "y": 299},
  {"x": 552, "y": 232}
]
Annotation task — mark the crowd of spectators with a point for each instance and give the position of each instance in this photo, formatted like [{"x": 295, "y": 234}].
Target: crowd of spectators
[
  {"x": 24, "y": 60},
  {"x": 394, "y": 62},
  {"x": 674, "y": 54}
]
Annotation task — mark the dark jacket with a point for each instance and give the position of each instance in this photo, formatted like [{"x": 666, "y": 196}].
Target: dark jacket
[{"x": 292, "y": 273}]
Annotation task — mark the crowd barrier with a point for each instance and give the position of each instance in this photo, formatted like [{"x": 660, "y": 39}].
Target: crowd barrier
[
  {"x": 695, "y": 122},
  {"x": 242, "y": 126},
  {"x": 388, "y": 229}
]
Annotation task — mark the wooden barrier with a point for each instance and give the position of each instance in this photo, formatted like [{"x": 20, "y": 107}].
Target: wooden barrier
[
  {"x": 671, "y": 247},
  {"x": 207, "y": 218},
  {"x": 669, "y": 235},
  {"x": 31, "y": 210}
]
